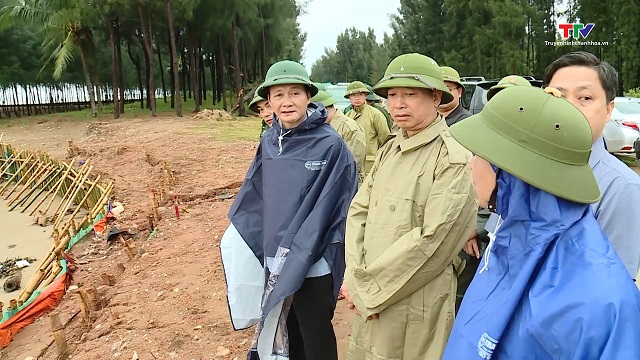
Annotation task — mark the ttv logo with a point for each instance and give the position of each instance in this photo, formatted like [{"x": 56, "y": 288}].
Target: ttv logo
[{"x": 575, "y": 30}]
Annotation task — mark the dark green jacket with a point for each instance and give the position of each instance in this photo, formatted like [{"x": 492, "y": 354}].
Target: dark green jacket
[{"x": 265, "y": 127}]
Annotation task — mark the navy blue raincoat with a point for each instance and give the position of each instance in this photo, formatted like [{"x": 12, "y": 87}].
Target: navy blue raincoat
[
  {"x": 553, "y": 287},
  {"x": 294, "y": 200}
]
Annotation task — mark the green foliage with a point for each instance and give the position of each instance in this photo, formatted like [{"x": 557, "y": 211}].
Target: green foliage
[{"x": 635, "y": 92}]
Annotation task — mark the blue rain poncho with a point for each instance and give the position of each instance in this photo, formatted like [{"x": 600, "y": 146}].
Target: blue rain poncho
[
  {"x": 550, "y": 287},
  {"x": 292, "y": 209}
]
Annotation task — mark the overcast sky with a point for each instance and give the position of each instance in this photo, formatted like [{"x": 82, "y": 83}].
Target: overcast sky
[{"x": 326, "y": 19}]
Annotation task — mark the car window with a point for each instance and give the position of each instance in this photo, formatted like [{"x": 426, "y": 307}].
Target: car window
[
  {"x": 626, "y": 106},
  {"x": 468, "y": 94},
  {"x": 478, "y": 99}
]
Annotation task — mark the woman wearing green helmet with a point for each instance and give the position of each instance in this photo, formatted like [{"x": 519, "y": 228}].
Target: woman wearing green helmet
[{"x": 408, "y": 222}]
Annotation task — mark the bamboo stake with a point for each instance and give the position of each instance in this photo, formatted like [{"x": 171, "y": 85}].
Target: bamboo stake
[
  {"x": 58, "y": 335},
  {"x": 75, "y": 188},
  {"x": 65, "y": 191},
  {"x": 75, "y": 212},
  {"x": 56, "y": 187},
  {"x": 69, "y": 190},
  {"x": 101, "y": 203},
  {"x": 9, "y": 166},
  {"x": 26, "y": 177},
  {"x": 42, "y": 190},
  {"x": 46, "y": 177},
  {"x": 15, "y": 174},
  {"x": 45, "y": 171}
]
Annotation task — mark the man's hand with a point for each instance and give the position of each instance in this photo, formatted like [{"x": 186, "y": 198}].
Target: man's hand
[{"x": 471, "y": 248}]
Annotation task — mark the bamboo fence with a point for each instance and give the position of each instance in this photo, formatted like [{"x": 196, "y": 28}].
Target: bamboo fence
[{"x": 34, "y": 181}]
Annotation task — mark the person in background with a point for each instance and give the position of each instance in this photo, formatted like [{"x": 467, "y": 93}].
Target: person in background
[
  {"x": 291, "y": 212},
  {"x": 375, "y": 101},
  {"x": 407, "y": 224},
  {"x": 347, "y": 128},
  {"x": 453, "y": 111},
  {"x": 370, "y": 119},
  {"x": 261, "y": 107},
  {"x": 551, "y": 286},
  {"x": 591, "y": 84}
]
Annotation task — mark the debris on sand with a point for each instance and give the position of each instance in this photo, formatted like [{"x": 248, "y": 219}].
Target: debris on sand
[
  {"x": 208, "y": 114},
  {"x": 11, "y": 266}
]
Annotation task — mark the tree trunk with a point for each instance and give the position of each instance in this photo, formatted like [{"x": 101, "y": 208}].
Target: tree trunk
[
  {"x": 146, "y": 35},
  {"x": 236, "y": 64},
  {"x": 193, "y": 71},
  {"x": 147, "y": 71},
  {"x": 174, "y": 60},
  {"x": 119, "y": 61},
  {"x": 114, "y": 70},
  {"x": 263, "y": 50},
  {"x": 172, "y": 78},
  {"x": 164, "y": 86},
  {"x": 203, "y": 80},
  {"x": 212, "y": 69},
  {"x": 136, "y": 62},
  {"x": 94, "y": 69},
  {"x": 186, "y": 72},
  {"x": 87, "y": 79},
  {"x": 221, "y": 71}
]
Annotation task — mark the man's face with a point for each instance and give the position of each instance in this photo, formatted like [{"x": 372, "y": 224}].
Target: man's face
[
  {"x": 357, "y": 99},
  {"x": 413, "y": 109},
  {"x": 581, "y": 86},
  {"x": 289, "y": 102},
  {"x": 456, "y": 91},
  {"x": 331, "y": 112},
  {"x": 265, "y": 112}
]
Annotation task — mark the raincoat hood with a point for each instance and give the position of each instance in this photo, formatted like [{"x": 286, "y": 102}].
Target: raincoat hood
[{"x": 550, "y": 286}]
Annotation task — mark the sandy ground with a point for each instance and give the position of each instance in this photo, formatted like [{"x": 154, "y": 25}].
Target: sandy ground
[
  {"x": 170, "y": 301},
  {"x": 20, "y": 237}
]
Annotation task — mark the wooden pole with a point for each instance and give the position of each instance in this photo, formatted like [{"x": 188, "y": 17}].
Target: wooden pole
[
  {"x": 75, "y": 212},
  {"x": 58, "y": 334},
  {"x": 56, "y": 187},
  {"x": 75, "y": 188},
  {"x": 42, "y": 190},
  {"x": 7, "y": 167},
  {"x": 40, "y": 176},
  {"x": 66, "y": 192},
  {"x": 26, "y": 177},
  {"x": 24, "y": 163}
]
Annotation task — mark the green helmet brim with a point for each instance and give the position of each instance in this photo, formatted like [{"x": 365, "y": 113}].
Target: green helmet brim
[
  {"x": 356, "y": 91},
  {"x": 412, "y": 81},
  {"x": 496, "y": 88},
  {"x": 572, "y": 182},
  {"x": 253, "y": 105},
  {"x": 286, "y": 80}
]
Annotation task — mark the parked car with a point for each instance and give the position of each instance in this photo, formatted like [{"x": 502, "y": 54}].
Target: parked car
[
  {"x": 479, "y": 96},
  {"x": 337, "y": 92},
  {"x": 627, "y": 111}
]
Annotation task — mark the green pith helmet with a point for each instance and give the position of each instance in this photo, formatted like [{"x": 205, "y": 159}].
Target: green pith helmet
[
  {"x": 356, "y": 87},
  {"x": 320, "y": 86},
  {"x": 537, "y": 136},
  {"x": 371, "y": 96},
  {"x": 253, "y": 105},
  {"x": 414, "y": 71},
  {"x": 452, "y": 75},
  {"x": 286, "y": 72},
  {"x": 324, "y": 98},
  {"x": 505, "y": 82}
]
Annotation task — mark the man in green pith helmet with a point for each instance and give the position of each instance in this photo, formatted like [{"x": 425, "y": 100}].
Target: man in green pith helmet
[
  {"x": 474, "y": 248},
  {"x": 408, "y": 222},
  {"x": 453, "y": 111},
  {"x": 347, "y": 128},
  {"x": 290, "y": 212},
  {"x": 506, "y": 82},
  {"x": 261, "y": 107},
  {"x": 374, "y": 100},
  {"x": 372, "y": 120}
]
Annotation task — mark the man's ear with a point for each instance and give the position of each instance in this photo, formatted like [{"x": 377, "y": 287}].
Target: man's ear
[
  {"x": 437, "y": 97},
  {"x": 609, "y": 109}
]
